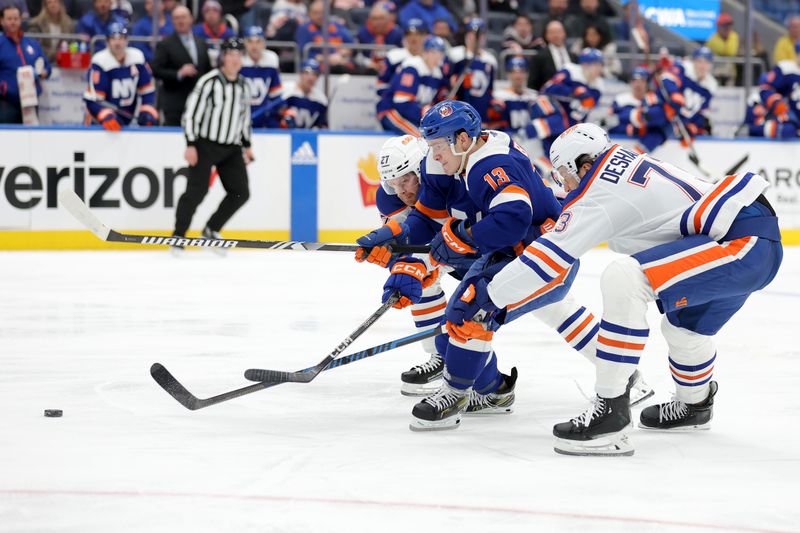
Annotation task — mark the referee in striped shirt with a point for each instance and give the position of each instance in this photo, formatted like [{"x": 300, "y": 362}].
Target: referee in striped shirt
[{"x": 216, "y": 123}]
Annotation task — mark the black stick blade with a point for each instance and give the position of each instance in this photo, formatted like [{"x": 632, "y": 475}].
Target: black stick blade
[{"x": 172, "y": 386}]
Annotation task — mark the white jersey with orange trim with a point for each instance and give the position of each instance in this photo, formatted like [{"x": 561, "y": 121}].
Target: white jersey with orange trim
[{"x": 633, "y": 202}]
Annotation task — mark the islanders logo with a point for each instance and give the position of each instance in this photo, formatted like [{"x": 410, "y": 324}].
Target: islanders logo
[
  {"x": 369, "y": 179},
  {"x": 445, "y": 111}
]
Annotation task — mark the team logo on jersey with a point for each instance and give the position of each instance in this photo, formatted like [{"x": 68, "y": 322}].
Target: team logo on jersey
[
  {"x": 368, "y": 179},
  {"x": 682, "y": 302},
  {"x": 445, "y": 111}
]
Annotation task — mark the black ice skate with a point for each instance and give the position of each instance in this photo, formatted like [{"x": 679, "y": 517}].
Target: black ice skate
[
  {"x": 440, "y": 410},
  {"x": 638, "y": 390},
  {"x": 598, "y": 431},
  {"x": 208, "y": 233},
  {"x": 679, "y": 416},
  {"x": 499, "y": 402},
  {"x": 423, "y": 379}
]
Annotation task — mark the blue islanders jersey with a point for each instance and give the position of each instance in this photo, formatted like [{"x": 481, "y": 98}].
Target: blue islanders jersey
[
  {"x": 642, "y": 119},
  {"x": 478, "y": 86},
  {"x": 694, "y": 103},
  {"x": 388, "y": 67},
  {"x": 516, "y": 113},
  {"x": 570, "y": 84},
  {"x": 413, "y": 87},
  {"x": 120, "y": 84},
  {"x": 263, "y": 77},
  {"x": 783, "y": 81},
  {"x": 309, "y": 111},
  {"x": 761, "y": 123},
  {"x": 503, "y": 199}
]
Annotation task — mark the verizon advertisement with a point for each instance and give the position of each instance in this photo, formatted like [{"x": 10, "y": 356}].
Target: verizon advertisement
[{"x": 131, "y": 180}]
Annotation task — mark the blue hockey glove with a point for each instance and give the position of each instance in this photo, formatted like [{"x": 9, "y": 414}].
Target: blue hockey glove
[
  {"x": 373, "y": 245},
  {"x": 452, "y": 246},
  {"x": 471, "y": 297},
  {"x": 406, "y": 278},
  {"x": 147, "y": 119}
]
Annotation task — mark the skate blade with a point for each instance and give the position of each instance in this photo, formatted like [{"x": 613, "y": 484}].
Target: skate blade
[
  {"x": 697, "y": 427},
  {"x": 441, "y": 425},
  {"x": 424, "y": 389},
  {"x": 639, "y": 399},
  {"x": 489, "y": 412},
  {"x": 609, "y": 445}
]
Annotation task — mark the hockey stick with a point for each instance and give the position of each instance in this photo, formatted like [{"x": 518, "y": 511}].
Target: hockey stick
[
  {"x": 307, "y": 375},
  {"x": 737, "y": 165},
  {"x": 174, "y": 388},
  {"x": 258, "y": 374},
  {"x": 78, "y": 209}
]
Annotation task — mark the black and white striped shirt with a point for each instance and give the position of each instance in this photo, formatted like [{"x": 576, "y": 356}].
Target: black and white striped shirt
[{"x": 218, "y": 110}]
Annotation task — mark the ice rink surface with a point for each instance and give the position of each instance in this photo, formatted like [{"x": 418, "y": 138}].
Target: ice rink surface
[{"x": 79, "y": 332}]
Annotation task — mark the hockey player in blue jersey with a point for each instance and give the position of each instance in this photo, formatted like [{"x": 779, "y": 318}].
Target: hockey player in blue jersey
[
  {"x": 480, "y": 204},
  {"x": 415, "y": 32},
  {"x": 780, "y": 89},
  {"x": 413, "y": 88},
  {"x": 689, "y": 88},
  {"x": 120, "y": 84},
  {"x": 478, "y": 67},
  {"x": 762, "y": 122},
  {"x": 306, "y": 105},
  {"x": 514, "y": 114},
  {"x": 260, "y": 67},
  {"x": 568, "y": 97},
  {"x": 639, "y": 114}
]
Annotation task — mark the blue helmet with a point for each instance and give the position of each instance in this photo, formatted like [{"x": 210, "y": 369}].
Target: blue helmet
[
  {"x": 590, "y": 55},
  {"x": 310, "y": 65},
  {"x": 640, "y": 73},
  {"x": 447, "y": 118},
  {"x": 475, "y": 24},
  {"x": 117, "y": 28},
  {"x": 433, "y": 42},
  {"x": 254, "y": 31},
  {"x": 704, "y": 52},
  {"x": 516, "y": 63}
]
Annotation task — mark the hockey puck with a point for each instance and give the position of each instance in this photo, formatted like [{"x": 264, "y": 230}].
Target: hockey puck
[{"x": 53, "y": 413}]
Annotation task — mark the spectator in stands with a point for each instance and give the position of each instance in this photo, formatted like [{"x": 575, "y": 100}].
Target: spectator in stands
[
  {"x": 593, "y": 37},
  {"x": 624, "y": 31},
  {"x": 144, "y": 28},
  {"x": 508, "y": 6},
  {"x": 179, "y": 61},
  {"x": 378, "y": 29},
  {"x": 97, "y": 22},
  {"x": 311, "y": 32},
  {"x": 784, "y": 48},
  {"x": 121, "y": 87},
  {"x": 552, "y": 58},
  {"x": 724, "y": 43},
  {"x": 589, "y": 14},
  {"x": 519, "y": 36},
  {"x": 213, "y": 26},
  {"x": 427, "y": 10},
  {"x": 22, "y": 5},
  {"x": 441, "y": 28},
  {"x": 603, "y": 8},
  {"x": 556, "y": 10},
  {"x": 122, "y": 9},
  {"x": 286, "y": 16},
  {"x": 307, "y": 106},
  {"x": 52, "y": 19},
  {"x": 16, "y": 51}
]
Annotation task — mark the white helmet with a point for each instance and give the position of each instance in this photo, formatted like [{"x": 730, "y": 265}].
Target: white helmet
[
  {"x": 398, "y": 157},
  {"x": 581, "y": 139}
]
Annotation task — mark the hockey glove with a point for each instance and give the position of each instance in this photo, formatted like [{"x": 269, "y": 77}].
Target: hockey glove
[
  {"x": 111, "y": 122},
  {"x": 406, "y": 278},
  {"x": 778, "y": 107},
  {"x": 453, "y": 246},
  {"x": 147, "y": 119},
  {"x": 471, "y": 298},
  {"x": 373, "y": 245}
]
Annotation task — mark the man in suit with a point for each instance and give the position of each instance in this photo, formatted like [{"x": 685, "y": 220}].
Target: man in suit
[
  {"x": 179, "y": 61},
  {"x": 552, "y": 57}
]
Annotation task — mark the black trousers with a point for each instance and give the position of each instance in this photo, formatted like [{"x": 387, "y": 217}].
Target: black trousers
[{"x": 232, "y": 173}]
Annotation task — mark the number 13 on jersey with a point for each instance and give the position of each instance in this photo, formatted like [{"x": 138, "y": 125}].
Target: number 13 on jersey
[{"x": 497, "y": 178}]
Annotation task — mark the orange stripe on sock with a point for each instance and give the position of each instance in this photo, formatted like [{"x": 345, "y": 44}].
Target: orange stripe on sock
[
  {"x": 684, "y": 376},
  {"x": 619, "y": 344},
  {"x": 428, "y": 310},
  {"x": 580, "y": 328}
]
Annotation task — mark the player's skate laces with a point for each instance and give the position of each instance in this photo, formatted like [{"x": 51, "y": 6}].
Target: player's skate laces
[
  {"x": 599, "y": 430},
  {"x": 423, "y": 379},
  {"x": 440, "y": 410},
  {"x": 678, "y": 415},
  {"x": 497, "y": 402}
]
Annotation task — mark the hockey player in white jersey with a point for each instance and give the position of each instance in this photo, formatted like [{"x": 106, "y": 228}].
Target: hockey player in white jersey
[{"x": 697, "y": 249}]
